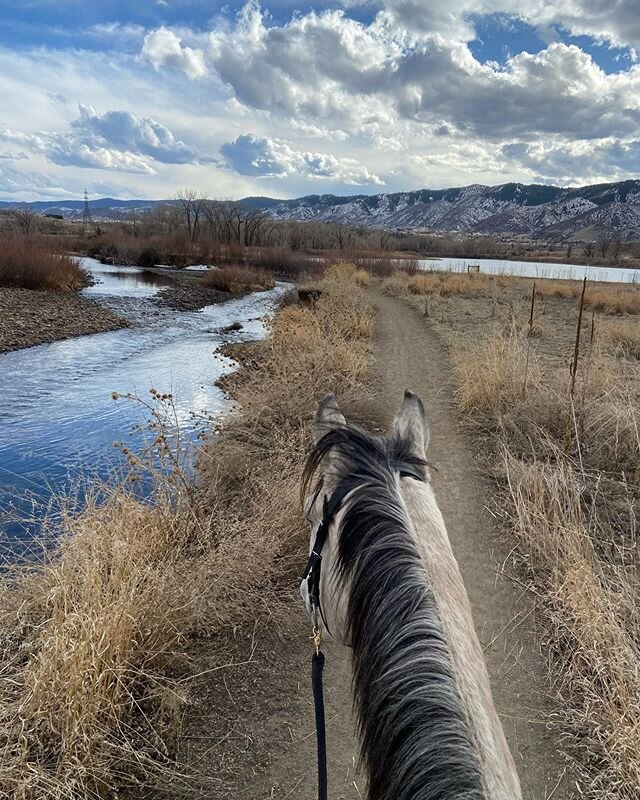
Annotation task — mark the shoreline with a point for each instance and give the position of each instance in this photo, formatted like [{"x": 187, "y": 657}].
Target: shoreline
[{"x": 29, "y": 317}]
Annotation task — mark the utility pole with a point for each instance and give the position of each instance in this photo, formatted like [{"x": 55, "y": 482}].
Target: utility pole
[{"x": 86, "y": 213}]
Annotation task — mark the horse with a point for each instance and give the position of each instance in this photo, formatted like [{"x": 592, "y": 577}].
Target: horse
[{"x": 391, "y": 590}]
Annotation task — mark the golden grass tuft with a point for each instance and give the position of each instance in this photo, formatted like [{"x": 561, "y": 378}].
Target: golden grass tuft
[
  {"x": 613, "y": 299},
  {"x": 622, "y": 336},
  {"x": 26, "y": 263},
  {"x": 490, "y": 372},
  {"x": 443, "y": 284}
]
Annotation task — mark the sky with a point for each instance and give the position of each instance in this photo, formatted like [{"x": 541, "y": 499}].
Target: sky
[{"x": 143, "y": 98}]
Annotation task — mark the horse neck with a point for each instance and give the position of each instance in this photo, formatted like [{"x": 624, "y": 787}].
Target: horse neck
[
  {"x": 416, "y": 741},
  {"x": 469, "y": 668}
]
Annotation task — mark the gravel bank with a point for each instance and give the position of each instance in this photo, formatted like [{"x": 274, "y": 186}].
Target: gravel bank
[{"x": 29, "y": 317}]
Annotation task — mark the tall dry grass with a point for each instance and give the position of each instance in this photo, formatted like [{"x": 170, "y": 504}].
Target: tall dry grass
[
  {"x": 622, "y": 336},
  {"x": 25, "y": 262},
  {"x": 93, "y": 642},
  {"x": 613, "y": 299},
  {"x": 442, "y": 284},
  {"x": 574, "y": 510}
]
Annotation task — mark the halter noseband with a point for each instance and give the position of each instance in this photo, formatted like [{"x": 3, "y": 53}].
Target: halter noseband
[{"x": 329, "y": 508}]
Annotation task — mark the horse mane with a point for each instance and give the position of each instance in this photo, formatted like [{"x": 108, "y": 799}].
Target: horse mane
[{"x": 415, "y": 739}]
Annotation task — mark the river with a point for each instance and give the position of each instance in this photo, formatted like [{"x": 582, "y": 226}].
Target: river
[{"x": 58, "y": 420}]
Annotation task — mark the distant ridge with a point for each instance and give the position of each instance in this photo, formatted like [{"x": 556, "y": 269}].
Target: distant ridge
[{"x": 539, "y": 211}]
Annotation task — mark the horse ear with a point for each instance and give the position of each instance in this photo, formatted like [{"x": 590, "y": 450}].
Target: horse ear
[
  {"x": 410, "y": 424},
  {"x": 328, "y": 417}
]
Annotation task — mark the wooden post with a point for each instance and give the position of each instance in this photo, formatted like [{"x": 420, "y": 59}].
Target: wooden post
[
  {"x": 533, "y": 303},
  {"x": 526, "y": 365},
  {"x": 568, "y": 436}
]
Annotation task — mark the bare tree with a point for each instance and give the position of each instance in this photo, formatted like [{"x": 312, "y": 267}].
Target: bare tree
[
  {"x": 24, "y": 217},
  {"x": 589, "y": 249},
  {"x": 191, "y": 205}
]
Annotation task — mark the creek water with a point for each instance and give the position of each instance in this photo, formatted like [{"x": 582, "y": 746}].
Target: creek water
[{"x": 58, "y": 420}]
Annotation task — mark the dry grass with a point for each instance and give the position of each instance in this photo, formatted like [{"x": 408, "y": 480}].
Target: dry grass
[
  {"x": 26, "y": 263},
  {"x": 613, "y": 299},
  {"x": 574, "y": 512},
  {"x": 622, "y": 336},
  {"x": 93, "y": 676},
  {"x": 491, "y": 373},
  {"x": 443, "y": 284},
  {"x": 557, "y": 288},
  {"x": 237, "y": 279}
]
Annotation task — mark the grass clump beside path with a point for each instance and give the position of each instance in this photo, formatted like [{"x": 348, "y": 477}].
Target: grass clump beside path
[
  {"x": 93, "y": 641},
  {"x": 26, "y": 263},
  {"x": 569, "y": 467}
]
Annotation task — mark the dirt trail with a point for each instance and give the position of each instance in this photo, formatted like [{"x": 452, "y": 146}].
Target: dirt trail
[{"x": 252, "y": 724}]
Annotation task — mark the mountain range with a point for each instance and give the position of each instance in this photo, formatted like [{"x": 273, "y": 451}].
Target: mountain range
[{"x": 511, "y": 209}]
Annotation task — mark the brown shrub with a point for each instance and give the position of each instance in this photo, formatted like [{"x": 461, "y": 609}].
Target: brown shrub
[
  {"x": 25, "y": 262},
  {"x": 237, "y": 279}
]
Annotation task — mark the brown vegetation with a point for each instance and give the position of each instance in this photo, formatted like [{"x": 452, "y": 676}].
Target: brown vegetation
[
  {"x": 613, "y": 299},
  {"x": 26, "y": 263},
  {"x": 238, "y": 279},
  {"x": 568, "y": 464},
  {"x": 92, "y": 641},
  {"x": 443, "y": 284}
]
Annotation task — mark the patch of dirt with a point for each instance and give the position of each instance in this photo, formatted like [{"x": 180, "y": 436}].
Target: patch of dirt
[
  {"x": 250, "y": 728},
  {"x": 29, "y": 317}
]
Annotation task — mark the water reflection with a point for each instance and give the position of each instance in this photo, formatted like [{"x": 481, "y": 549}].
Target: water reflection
[{"x": 124, "y": 281}]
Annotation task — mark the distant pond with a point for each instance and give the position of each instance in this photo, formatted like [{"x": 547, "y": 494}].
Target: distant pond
[{"x": 533, "y": 269}]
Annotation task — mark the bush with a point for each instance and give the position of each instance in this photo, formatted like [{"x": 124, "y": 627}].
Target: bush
[
  {"x": 237, "y": 279},
  {"x": 26, "y": 263}
]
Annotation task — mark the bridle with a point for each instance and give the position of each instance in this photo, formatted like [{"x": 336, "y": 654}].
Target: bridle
[
  {"x": 311, "y": 575},
  {"x": 330, "y": 507}
]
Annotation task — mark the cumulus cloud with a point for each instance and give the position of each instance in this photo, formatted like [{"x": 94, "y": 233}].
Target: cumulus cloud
[
  {"x": 162, "y": 48},
  {"x": 275, "y": 158},
  {"x": 615, "y": 22},
  {"x": 576, "y": 161},
  {"x": 115, "y": 140},
  {"x": 335, "y": 73},
  {"x": 125, "y": 131}
]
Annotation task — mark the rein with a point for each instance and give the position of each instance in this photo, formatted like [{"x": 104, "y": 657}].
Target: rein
[{"x": 312, "y": 576}]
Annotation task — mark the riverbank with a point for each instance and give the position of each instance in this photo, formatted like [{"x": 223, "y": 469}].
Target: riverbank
[
  {"x": 29, "y": 317},
  {"x": 98, "y": 642}
]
